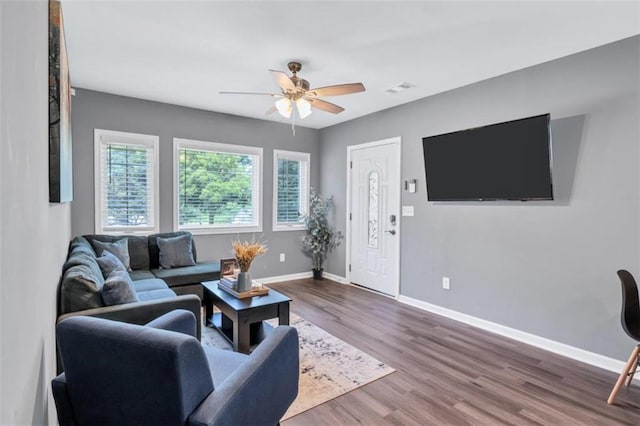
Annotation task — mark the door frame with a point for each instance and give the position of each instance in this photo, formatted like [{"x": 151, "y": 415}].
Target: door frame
[{"x": 397, "y": 140}]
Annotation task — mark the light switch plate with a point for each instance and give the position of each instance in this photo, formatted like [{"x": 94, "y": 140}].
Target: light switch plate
[{"x": 407, "y": 210}]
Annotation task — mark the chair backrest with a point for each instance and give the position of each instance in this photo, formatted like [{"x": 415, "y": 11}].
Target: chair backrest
[
  {"x": 630, "y": 315},
  {"x": 120, "y": 373}
]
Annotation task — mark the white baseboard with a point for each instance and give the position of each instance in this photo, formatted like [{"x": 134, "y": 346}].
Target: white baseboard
[
  {"x": 336, "y": 278},
  {"x": 300, "y": 276},
  {"x": 289, "y": 277},
  {"x": 572, "y": 352}
]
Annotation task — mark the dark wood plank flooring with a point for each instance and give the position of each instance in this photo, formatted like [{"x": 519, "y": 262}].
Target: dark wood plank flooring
[{"x": 449, "y": 372}]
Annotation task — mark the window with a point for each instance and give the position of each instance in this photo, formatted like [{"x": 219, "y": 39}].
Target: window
[
  {"x": 372, "y": 230},
  {"x": 290, "y": 189},
  {"x": 126, "y": 178},
  {"x": 217, "y": 187}
]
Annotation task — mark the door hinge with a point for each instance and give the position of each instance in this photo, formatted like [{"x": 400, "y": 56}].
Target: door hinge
[
  {"x": 351, "y": 164},
  {"x": 350, "y": 216},
  {"x": 349, "y": 267}
]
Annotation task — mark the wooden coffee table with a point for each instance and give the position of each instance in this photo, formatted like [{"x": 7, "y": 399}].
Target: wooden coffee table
[{"x": 241, "y": 320}]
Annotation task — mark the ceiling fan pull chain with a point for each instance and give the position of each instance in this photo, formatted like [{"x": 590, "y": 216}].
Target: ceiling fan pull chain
[{"x": 293, "y": 123}]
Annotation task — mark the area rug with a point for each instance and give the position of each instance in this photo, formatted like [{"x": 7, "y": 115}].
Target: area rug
[{"x": 329, "y": 367}]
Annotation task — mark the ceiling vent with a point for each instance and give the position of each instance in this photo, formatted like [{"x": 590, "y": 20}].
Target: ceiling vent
[{"x": 400, "y": 87}]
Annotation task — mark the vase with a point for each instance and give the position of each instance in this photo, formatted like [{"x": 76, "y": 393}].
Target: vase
[
  {"x": 244, "y": 282},
  {"x": 317, "y": 274}
]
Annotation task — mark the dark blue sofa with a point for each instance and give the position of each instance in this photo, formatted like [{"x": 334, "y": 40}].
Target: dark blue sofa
[{"x": 159, "y": 290}]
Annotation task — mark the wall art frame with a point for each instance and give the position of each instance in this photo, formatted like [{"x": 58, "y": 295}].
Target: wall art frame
[{"x": 60, "y": 155}]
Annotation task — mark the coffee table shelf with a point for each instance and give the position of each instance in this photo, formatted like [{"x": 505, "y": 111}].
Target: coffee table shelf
[
  {"x": 241, "y": 320},
  {"x": 257, "y": 331}
]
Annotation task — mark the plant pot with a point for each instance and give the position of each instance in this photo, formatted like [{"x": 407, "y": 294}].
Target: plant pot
[
  {"x": 317, "y": 274},
  {"x": 244, "y": 282}
]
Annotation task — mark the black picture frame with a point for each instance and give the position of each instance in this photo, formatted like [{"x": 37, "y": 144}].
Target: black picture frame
[{"x": 60, "y": 159}]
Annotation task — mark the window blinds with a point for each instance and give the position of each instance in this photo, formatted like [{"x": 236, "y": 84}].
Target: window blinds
[
  {"x": 292, "y": 190},
  {"x": 127, "y": 187},
  {"x": 217, "y": 189}
]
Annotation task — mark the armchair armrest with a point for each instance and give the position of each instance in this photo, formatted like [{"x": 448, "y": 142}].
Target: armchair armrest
[
  {"x": 267, "y": 382},
  {"x": 180, "y": 321},
  {"x": 143, "y": 312}
]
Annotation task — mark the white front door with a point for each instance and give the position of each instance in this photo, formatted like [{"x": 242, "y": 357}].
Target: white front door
[{"x": 374, "y": 232}]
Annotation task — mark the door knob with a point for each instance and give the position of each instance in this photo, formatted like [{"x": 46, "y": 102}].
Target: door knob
[{"x": 392, "y": 232}]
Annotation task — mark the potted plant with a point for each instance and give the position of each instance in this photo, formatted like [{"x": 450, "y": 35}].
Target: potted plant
[{"x": 320, "y": 239}]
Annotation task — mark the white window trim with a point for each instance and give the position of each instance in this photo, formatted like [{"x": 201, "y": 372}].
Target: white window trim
[
  {"x": 295, "y": 156},
  {"x": 101, "y": 136},
  {"x": 217, "y": 147}
]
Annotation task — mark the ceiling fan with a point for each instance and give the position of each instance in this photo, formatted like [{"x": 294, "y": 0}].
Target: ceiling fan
[{"x": 295, "y": 94}]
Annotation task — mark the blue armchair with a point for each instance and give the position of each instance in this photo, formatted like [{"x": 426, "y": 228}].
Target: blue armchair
[{"x": 159, "y": 374}]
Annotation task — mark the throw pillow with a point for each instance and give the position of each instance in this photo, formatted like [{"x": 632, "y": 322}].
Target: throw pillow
[
  {"x": 176, "y": 251},
  {"x": 118, "y": 289},
  {"x": 109, "y": 262},
  {"x": 120, "y": 248}
]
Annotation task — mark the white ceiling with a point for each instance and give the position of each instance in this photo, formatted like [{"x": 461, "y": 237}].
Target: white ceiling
[{"x": 185, "y": 52}]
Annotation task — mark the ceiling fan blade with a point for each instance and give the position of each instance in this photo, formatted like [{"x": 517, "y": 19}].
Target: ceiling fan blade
[
  {"x": 250, "y": 93},
  {"x": 325, "y": 106},
  {"x": 283, "y": 80},
  {"x": 337, "y": 90},
  {"x": 271, "y": 110}
]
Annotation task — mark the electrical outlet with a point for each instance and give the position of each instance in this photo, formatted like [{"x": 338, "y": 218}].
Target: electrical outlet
[
  {"x": 281, "y": 257},
  {"x": 445, "y": 283}
]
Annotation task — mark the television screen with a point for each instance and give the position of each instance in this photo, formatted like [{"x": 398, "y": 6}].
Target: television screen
[{"x": 504, "y": 161}]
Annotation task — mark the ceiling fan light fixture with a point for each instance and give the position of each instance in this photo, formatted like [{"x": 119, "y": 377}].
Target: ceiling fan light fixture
[
  {"x": 295, "y": 93},
  {"x": 304, "y": 108},
  {"x": 284, "y": 107}
]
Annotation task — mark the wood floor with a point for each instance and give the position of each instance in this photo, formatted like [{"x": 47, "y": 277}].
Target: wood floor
[{"x": 449, "y": 372}]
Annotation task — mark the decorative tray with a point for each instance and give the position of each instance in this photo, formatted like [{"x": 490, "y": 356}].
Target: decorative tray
[{"x": 259, "y": 290}]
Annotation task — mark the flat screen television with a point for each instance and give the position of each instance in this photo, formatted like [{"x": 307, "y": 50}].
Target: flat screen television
[{"x": 503, "y": 161}]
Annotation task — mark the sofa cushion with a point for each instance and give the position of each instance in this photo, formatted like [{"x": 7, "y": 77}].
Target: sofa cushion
[
  {"x": 155, "y": 294},
  {"x": 152, "y": 289},
  {"x": 154, "y": 250},
  {"x": 80, "y": 252},
  {"x": 82, "y": 279},
  {"x": 189, "y": 274},
  {"x": 149, "y": 284},
  {"x": 109, "y": 262},
  {"x": 176, "y": 251},
  {"x": 222, "y": 363},
  {"x": 119, "y": 248},
  {"x": 80, "y": 257},
  {"x": 81, "y": 244},
  {"x": 80, "y": 289},
  {"x": 118, "y": 289},
  {"x": 138, "y": 248},
  {"x": 141, "y": 274}
]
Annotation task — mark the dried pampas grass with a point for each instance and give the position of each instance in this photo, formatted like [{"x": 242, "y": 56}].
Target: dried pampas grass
[{"x": 246, "y": 251}]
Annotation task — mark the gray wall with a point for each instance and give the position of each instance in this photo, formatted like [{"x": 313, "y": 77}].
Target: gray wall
[
  {"x": 93, "y": 110},
  {"x": 547, "y": 268},
  {"x": 35, "y": 234}
]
